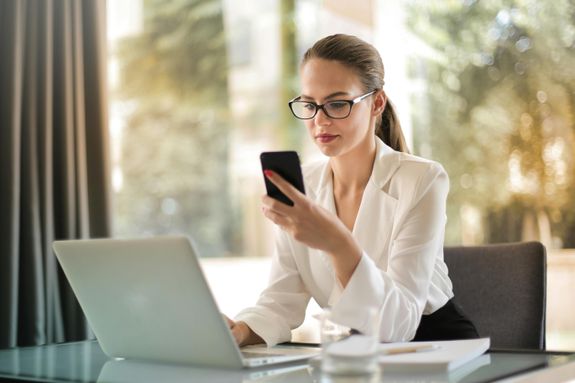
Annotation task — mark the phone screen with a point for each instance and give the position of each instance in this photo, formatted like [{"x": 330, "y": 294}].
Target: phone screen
[{"x": 287, "y": 165}]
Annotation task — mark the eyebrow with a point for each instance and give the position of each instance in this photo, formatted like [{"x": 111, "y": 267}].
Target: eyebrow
[{"x": 335, "y": 94}]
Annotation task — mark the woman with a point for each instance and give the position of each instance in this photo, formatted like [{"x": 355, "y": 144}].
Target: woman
[{"x": 369, "y": 231}]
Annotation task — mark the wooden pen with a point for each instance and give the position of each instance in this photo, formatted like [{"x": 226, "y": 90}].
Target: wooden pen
[{"x": 409, "y": 349}]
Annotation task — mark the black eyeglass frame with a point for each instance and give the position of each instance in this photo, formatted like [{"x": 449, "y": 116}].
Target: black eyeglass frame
[{"x": 321, "y": 106}]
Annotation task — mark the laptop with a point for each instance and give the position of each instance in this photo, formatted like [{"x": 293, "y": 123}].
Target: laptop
[{"x": 148, "y": 299}]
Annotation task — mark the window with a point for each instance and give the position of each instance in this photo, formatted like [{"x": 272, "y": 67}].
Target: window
[{"x": 200, "y": 87}]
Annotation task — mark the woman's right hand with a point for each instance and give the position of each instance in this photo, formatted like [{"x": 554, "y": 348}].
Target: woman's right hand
[{"x": 242, "y": 333}]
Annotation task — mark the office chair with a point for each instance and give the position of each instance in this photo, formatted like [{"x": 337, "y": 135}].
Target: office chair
[{"x": 502, "y": 289}]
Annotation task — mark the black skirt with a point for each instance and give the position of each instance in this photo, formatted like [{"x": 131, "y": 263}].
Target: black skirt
[{"x": 447, "y": 323}]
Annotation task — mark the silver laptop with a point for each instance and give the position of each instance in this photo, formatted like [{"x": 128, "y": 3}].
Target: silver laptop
[{"x": 148, "y": 299}]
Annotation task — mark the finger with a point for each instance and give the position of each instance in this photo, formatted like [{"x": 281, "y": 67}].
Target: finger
[
  {"x": 285, "y": 187},
  {"x": 237, "y": 335},
  {"x": 278, "y": 213},
  {"x": 275, "y": 205},
  {"x": 230, "y": 322},
  {"x": 276, "y": 218}
]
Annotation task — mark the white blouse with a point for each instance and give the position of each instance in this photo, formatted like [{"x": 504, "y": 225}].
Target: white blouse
[{"x": 400, "y": 226}]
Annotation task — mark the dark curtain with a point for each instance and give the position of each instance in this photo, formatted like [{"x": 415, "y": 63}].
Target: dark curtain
[{"x": 54, "y": 165}]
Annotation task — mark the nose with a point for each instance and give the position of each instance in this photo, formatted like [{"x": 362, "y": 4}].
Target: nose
[{"x": 321, "y": 119}]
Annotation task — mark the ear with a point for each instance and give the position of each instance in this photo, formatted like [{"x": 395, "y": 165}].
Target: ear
[{"x": 379, "y": 103}]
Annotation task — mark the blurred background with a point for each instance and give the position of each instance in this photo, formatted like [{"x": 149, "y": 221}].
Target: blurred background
[{"x": 198, "y": 88}]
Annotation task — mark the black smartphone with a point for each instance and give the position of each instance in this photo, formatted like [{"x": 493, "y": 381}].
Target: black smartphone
[{"x": 287, "y": 165}]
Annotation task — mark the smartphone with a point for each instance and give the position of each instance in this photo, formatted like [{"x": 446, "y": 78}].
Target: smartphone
[{"x": 287, "y": 165}]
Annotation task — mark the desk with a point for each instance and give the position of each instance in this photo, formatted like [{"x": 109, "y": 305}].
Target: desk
[{"x": 85, "y": 362}]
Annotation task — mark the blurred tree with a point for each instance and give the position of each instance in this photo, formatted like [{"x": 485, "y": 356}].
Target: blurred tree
[
  {"x": 499, "y": 112},
  {"x": 290, "y": 135},
  {"x": 180, "y": 55},
  {"x": 173, "y": 78}
]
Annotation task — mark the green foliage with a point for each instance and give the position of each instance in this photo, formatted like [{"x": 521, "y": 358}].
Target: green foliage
[
  {"x": 290, "y": 135},
  {"x": 180, "y": 54},
  {"x": 500, "y": 107},
  {"x": 175, "y": 144}
]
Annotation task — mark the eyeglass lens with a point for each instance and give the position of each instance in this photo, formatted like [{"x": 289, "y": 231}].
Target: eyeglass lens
[{"x": 334, "y": 109}]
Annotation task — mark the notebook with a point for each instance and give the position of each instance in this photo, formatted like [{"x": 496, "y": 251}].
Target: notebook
[
  {"x": 453, "y": 376},
  {"x": 441, "y": 356},
  {"x": 148, "y": 299}
]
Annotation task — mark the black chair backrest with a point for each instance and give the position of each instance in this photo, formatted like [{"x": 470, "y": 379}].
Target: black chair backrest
[{"x": 502, "y": 289}]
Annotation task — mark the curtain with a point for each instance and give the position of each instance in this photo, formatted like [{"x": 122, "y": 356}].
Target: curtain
[{"x": 54, "y": 165}]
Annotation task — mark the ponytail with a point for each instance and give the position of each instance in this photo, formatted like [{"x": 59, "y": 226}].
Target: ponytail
[{"x": 388, "y": 129}]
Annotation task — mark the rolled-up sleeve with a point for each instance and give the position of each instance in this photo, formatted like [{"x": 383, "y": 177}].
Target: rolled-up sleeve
[
  {"x": 401, "y": 291},
  {"x": 281, "y": 306}
]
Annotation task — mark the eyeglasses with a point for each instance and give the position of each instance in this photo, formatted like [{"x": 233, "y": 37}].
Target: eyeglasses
[{"x": 336, "y": 109}]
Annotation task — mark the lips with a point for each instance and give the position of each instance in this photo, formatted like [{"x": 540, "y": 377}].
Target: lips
[{"x": 325, "y": 138}]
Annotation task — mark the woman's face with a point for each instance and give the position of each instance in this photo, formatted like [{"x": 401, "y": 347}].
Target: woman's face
[{"x": 328, "y": 80}]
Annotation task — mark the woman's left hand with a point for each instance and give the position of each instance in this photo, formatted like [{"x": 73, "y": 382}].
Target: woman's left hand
[{"x": 306, "y": 221}]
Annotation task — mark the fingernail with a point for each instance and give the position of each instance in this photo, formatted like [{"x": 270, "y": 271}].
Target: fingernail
[{"x": 268, "y": 173}]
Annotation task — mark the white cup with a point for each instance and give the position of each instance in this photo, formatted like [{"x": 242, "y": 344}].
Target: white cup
[{"x": 344, "y": 350}]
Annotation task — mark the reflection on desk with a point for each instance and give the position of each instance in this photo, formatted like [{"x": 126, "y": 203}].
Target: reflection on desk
[
  {"x": 85, "y": 362},
  {"x": 127, "y": 371}
]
